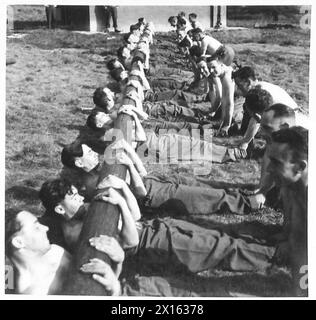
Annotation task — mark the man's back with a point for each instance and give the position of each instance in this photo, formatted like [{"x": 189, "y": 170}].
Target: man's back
[
  {"x": 278, "y": 94},
  {"x": 209, "y": 45}
]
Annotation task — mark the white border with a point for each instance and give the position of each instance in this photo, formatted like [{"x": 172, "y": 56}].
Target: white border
[{"x": 312, "y": 153}]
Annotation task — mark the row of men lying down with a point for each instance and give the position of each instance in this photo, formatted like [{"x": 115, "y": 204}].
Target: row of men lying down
[{"x": 42, "y": 262}]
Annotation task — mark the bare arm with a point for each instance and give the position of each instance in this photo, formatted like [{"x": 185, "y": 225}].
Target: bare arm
[
  {"x": 136, "y": 178},
  {"x": 252, "y": 130},
  {"x": 215, "y": 93},
  {"x": 129, "y": 234},
  {"x": 266, "y": 179},
  {"x": 227, "y": 99},
  {"x": 112, "y": 181}
]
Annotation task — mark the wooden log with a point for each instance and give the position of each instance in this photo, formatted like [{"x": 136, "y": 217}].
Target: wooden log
[{"x": 102, "y": 219}]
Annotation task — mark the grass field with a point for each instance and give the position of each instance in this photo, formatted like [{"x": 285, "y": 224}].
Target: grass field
[{"x": 56, "y": 72}]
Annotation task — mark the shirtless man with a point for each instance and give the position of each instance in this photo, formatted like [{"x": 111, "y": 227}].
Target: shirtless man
[
  {"x": 42, "y": 267},
  {"x": 185, "y": 244},
  {"x": 194, "y": 22},
  {"x": 221, "y": 91},
  {"x": 212, "y": 48},
  {"x": 61, "y": 198}
]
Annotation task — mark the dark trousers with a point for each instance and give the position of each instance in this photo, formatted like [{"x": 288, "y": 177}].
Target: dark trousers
[
  {"x": 172, "y": 111},
  {"x": 245, "y": 120},
  {"x": 197, "y": 197},
  {"x": 172, "y": 242},
  {"x": 111, "y": 11},
  {"x": 181, "y": 97}
]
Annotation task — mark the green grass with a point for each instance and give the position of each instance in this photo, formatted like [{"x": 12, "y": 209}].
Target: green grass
[{"x": 56, "y": 71}]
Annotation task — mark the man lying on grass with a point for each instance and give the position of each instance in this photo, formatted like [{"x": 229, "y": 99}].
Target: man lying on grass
[
  {"x": 154, "y": 191},
  {"x": 168, "y": 146},
  {"x": 166, "y": 241},
  {"x": 105, "y": 100},
  {"x": 42, "y": 267}
]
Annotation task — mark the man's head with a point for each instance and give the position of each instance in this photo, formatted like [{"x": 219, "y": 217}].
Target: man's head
[
  {"x": 99, "y": 120},
  {"x": 181, "y": 14},
  {"x": 277, "y": 117},
  {"x": 245, "y": 79},
  {"x": 124, "y": 53},
  {"x": 78, "y": 155},
  {"x": 216, "y": 67},
  {"x": 25, "y": 235},
  {"x": 181, "y": 24},
  {"x": 197, "y": 34},
  {"x": 257, "y": 101},
  {"x": 114, "y": 64},
  {"x": 141, "y": 21},
  {"x": 173, "y": 20},
  {"x": 192, "y": 17},
  {"x": 288, "y": 155},
  {"x": 61, "y": 197},
  {"x": 204, "y": 70},
  {"x": 103, "y": 98},
  {"x": 119, "y": 74}
]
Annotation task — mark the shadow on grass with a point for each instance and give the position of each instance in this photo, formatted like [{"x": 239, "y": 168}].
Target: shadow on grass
[{"x": 22, "y": 193}]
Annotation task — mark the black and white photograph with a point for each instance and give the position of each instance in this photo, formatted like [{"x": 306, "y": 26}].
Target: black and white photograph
[{"x": 157, "y": 150}]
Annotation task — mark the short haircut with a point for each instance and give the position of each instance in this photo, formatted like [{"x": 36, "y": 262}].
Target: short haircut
[
  {"x": 139, "y": 56},
  {"x": 197, "y": 30},
  {"x": 185, "y": 42},
  {"x": 141, "y": 20},
  {"x": 116, "y": 74},
  {"x": 53, "y": 192},
  {"x": 281, "y": 110},
  {"x": 195, "y": 51},
  {"x": 193, "y": 15},
  {"x": 133, "y": 27},
  {"x": 92, "y": 120},
  {"x": 181, "y": 21},
  {"x": 70, "y": 152},
  {"x": 297, "y": 140},
  {"x": 245, "y": 73},
  {"x": 110, "y": 64},
  {"x": 12, "y": 226},
  {"x": 258, "y": 100},
  {"x": 121, "y": 49},
  {"x": 99, "y": 98},
  {"x": 181, "y": 14},
  {"x": 172, "y": 18}
]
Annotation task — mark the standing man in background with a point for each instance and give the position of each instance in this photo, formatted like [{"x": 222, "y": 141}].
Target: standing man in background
[{"x": 111, "y": 11}]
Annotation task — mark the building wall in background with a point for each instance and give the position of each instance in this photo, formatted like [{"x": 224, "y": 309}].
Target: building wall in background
[{"x": 159, "y": 15}]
